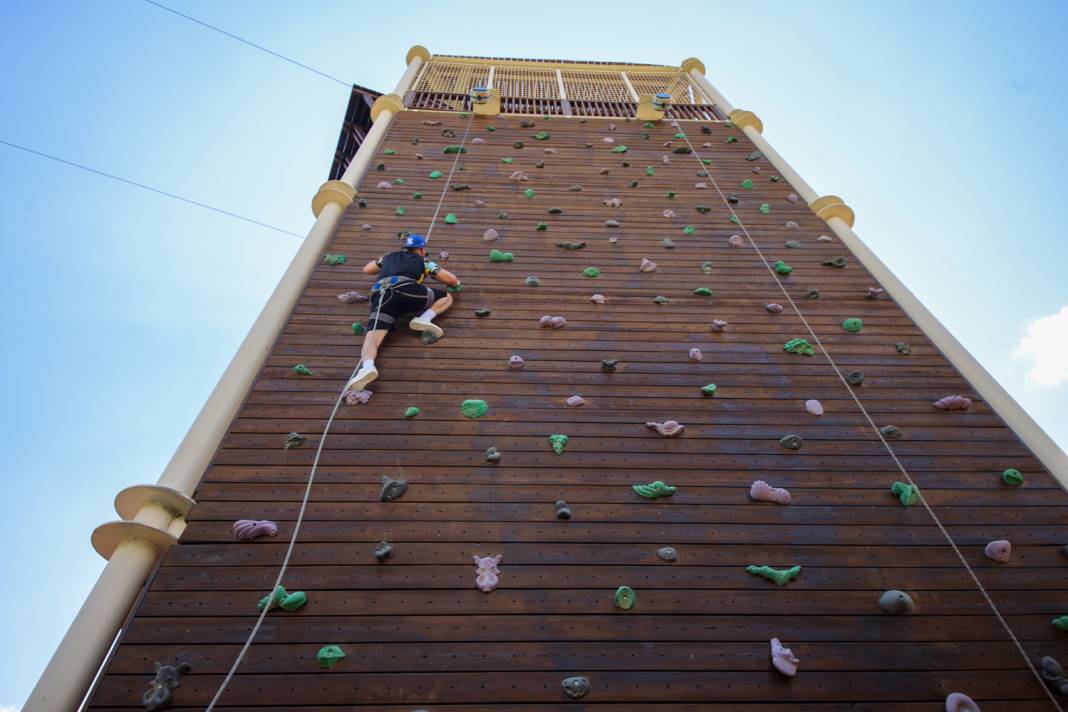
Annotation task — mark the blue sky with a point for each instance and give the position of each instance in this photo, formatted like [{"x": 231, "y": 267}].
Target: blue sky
[{"x": 940, "y": 124}]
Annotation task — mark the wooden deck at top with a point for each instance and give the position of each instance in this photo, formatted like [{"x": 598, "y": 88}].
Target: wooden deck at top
[{"x": 417, "y": 632}]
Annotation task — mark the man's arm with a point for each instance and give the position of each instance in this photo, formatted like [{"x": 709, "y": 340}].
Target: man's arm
[
  {"x": 373, "y": 267},
  {"x": 441, "y": 274}
]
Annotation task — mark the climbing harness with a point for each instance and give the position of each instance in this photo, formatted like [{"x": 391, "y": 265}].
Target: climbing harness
[
  {"x": 736, "y": 219},
  {"x": 315, "y": 466}
]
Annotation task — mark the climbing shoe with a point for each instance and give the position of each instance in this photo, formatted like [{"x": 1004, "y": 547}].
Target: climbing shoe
[
  {"x": 365, "y": 375},
  {"x": 419, "y": 324}
]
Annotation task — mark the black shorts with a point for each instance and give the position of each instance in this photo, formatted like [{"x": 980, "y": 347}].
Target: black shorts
[{"x": 389, "y": 305}]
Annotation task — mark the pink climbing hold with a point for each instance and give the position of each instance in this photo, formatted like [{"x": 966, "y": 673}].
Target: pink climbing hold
[
  {"x": 719, "y": 325},
  {"x": 735, "y": 241},
  {"x": 647, "y": 266},
  {"x": 953, "y": 403},
  {"x": 488, "y": 575},
  {"x": 665, "y": 159},
  {"x": 762, "y": 491},
  {"x": 792, "y": 197},
  {"x": 706, "y": 144},
  {"x": 518, "y": 176},
  {"x": 576, "y": 401},
  {"x": 384, "y": 185},
  {"x": 613, "y": 202},
  {"x": 443, "y": 256},
  {"x": 613, "y": 240},
  {"x": 814, "y": 407},
  {"x": 960, "y": 702},
  {"x": 669, "y": 428},
  {"x": 597, "y": 299},
  {"x": 245, "y": 529},
  {"x": 365, "y": 227},
  {"x": 669, "y": 213},
  {"x": 480, "y": 203},
  {"x": 351, "y": 298},
  {"x": 999, "y": 551},
  {"x": 515, "y": 363},
  {"x": 825, "y": 238},
  {"x": 696, "y": 355},
  {"x": 792, "y": 225},
  {"x": 478, "y": 140},
  {"x": 354, "y": 397},
  {"x": 608, "y": 139},
  {"x": 611, "y": 127},
  {"x": 874, "y": 292},
  {"x": 783, "y": 658},
  {"x": 550, "y": 151},
  {"x": 490, "y": 235},
  {"x": 774, "y": 308},
  {"x": 556, "y": 322},
  {"x": 419, "y": 156},
  {"x": 700, "y": 185}
]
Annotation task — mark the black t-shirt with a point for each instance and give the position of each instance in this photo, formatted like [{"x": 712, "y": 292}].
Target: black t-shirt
[{"x": 404, "y": 264}]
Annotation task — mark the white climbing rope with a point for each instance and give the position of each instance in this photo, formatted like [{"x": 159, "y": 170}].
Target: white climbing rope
[
  {"x": 878, "y": 433},
  {"x": 314, "y": 468}
]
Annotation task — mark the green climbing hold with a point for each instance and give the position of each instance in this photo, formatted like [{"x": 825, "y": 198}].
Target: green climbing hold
[
  {"x": 541, "y": 136},
  {"x": 399, "y": 211},
  {"x": 1012, "y": 477},
  {"x": 775, "y": 179},
  {"x": 778, "y": 576},
  {"x": 765, "y": 208},
  {"x": 747, "y": 184},
  {"x": 451, "y": 219},
  {"x": 633, "y": 184},
  {"x": 590, "y": 272},
  {"x": 508, "y": 160},
  {"x": 706, "y": 161},
  {"x": 649, "y": 170},
  {"x": 498, "y": 256},
  {"x": 703, "y": 292},
  {"x": 482, "y": 312},
  {"x": 417, "y": 196},
  {"x": 648, "y": 125},
  {"x": 654, "y": 490},
  {"x": 732, "y": 139},
  {"x": 329, "y": 655},
  {"x": 302, "y": 370},
  {"x": 517, "y": 144},
  {"x": 542, "y": 226},
  {"x": 619, "y": 149},
  {"x": 680, "y": 135},
  {"x": 709, "y": 390},
  {"x": 357, "y": 328},
  {"x": 454, "y": 149},
  {"x": 734, "y": 219},
  {"x": 491, "y": 128},
  {"x": 683, "y": 150},
  {"x": 838, "y": 262},
  {"x": 458, "y": 288},
  {"x": 624, "y": 598},
  {"x": 853, "y": 325},
  {"x": 334, "y": 260},
  {"x": 435, "y": 174},
  {"x": 399, "y": 181},
  {"x": 280, "y": 598},
  {"x": 528, "y": 193},
  {"x": 388, "y": 152},
  {"x": 465, "y": 115},
  {"x": 670, "y": 195},
  {"x": 411, "y": 412},
  {"x": 473, "y": 408},
  {"x": 908, "y": 494},
  {"x": 783, "y": 268},
  {"x": 793, "y": 244},
  {"x": 557, "y": 441},
  {"x": 1060, "y": 622},
  {"x": 689, "y": 230},
  {"x": 799, "y": 346}
]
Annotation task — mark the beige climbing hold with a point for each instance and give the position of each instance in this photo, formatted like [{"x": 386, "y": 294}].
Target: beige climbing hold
[
  {"x": 384, "y": 185},
  {"x": 696, "y": 355},
  {"x": 735, "y": 241},
  {"x": 999, "y": 551},
  {"x": 553, "y": 322},
  {"x": 719, "y": 325},
  {"x": 365, "y": 226},
  {"x": 792, "y": 225},
  {"x": 550, "y": 151},
  {"x": 597, "y": 299},
  {"x": 669, "y": 213},
  {"x": 478, "y": 140},
  {"x": 647, "y": 266},
  {"x": 665, "y": 159},
  {"x": 518, "y": 176},
  {"x": 608, "y": 139},
  {"x": 825, "y": 238},
  {"x": 701, "y": 185},
  {"x": 613, "y": 202},
  {"x": 480, "y": 203},
  {"x": 774, "y": 308},
  {"x": 668, "y": 429},
  {"x": 490, "y": 235},
  {"x": 814, "y": 407}
]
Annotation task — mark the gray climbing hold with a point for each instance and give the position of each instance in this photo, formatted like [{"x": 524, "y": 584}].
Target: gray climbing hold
[
  {"x": 890, "y": 432},
  {"x": 812, "y": 294},
  {"x": 575, "y": 687},
  {"x": 703, "y": 209},
  {"x": 896, "y": 602},
  {"x": 571, "y": 245},
  {"x": 493, "y": 455},
  {"x": 392, "y": 489},
  {"x": 531, "y": 281},
  {"x": 854, "y": 378},
  {"x": 660, "y": 299},
  {"x": 1051, "y": 672},
  {"x": 667, "y": 553},
  {"x": 706, "y": 267},
  {"x": 903, "y": 348},
  {"x": 667, "y": 243},
  {"x": 482, "y": 312},
  {"x": 609, "y": 364},
  {"x": 836, "y": 262},
  {"x": 382, "y": 551},
  {"x": 793, "y": 244},
  {"x": 611, "y": 223},
  {"x": 294, "y": 440},
  {"x": 158, "y": 694},
  {"x": 427, "y": 337},
  {"x": 755, "y": 155},
  {"x": 791, "y": 442},
  {"x": 562, "y": 510}
]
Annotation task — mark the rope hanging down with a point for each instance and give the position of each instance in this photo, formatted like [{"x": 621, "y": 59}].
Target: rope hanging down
[{"x": 314, "y": 468}]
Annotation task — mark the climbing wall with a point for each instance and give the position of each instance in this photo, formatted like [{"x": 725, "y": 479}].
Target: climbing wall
[{"x": 416, "y": 631}]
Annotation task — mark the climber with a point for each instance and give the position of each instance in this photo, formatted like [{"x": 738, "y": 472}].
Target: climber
[{"x": 400, "y": 291}]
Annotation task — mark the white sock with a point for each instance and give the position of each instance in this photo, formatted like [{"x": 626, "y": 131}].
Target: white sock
[
  {"x": 428, "y": 315},
  {"x": 369, "y": 363}
]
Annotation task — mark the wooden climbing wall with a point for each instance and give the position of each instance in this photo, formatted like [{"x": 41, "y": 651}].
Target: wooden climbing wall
[{"x": 419, "y": 635}]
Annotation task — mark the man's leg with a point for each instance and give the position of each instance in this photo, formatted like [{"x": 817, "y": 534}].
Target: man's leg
[
  {"x": 442, "y": 304},
  {"x": 367, "y": 373},
  {"x": 425, "y": 322}
]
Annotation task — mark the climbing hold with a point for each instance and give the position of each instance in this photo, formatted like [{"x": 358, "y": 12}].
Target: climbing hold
[
  {"x": 575, "y": 687},
  {"x": 1060, "y": 622},
  {"x": 555, "y": 210},
  {"x": 539, "y": 164},
  {"x": 854, "y": 378},
  {"x": 294, "y": 440},
  {"x": 733, "y": 200},
  {"x": 428, "y": 337},
  {"x": 667, "y": 244},
  {"x": 576, "y": 401},
  {"x": 873, "y": 292},
  {"x": 384, "y": 185},
  {"x": 454, "y": 149},
  {"x": 532, "y": 281},
  {"x": 391, "y": 489},
  {"x": 247, "y": 529},
  {"x": 518, "y": 177},
  {"x": 1000, "y": 551},
  {"x": 562, "y": 510},
  {"x": 590, "y": 272},
  {"x": 334, "y": 260},
  {"x": 701, "y": 185},
  {"x": 907, "y": 494},
  {"x": 329, "y": 655},
  {"x": 890, "y": 432},
  {"x": 555, "y": 322},
  {"x": 647, "y": 266},
  {"x": 783, "y": 658},
  {"x": 735, "y": 240},
  {"x": 480, "y": 203},
  {"x": 575, "y": 189},
  {"x": 541, "y": 136},
  {"x": 775, "y": 179},
  {"x": 491, "y": 128},
  {"x": 411, "y": 412},
  {"x": 624, "y": 598},
  {"x": 755, "y": 155},
  {"x": 609, "y": 364},
  {"x": 613, "y": 202},
  {"x": 783, "y": 268},
  {"x": 960, "y": 702},
  {"x": 557, "y": 441},
  {"x": 670, "y": 195},
  {"x": 459, "y": 187},
  {"x": 689, "y": 230},
  {"x": 762, "y": 491},
  {"x": 703, "y": 292},
  {"x": 953, "y": 403},
  {"x": 695, "y": 354},
  {"x": 1053, "y": 674},
  {"x": 632, "y": 184},
  {"x": 498, "y": 256},
  {"x": 732, "y": 139},
  {"x": 487, "y": 575},
  {"x": 814, "y": 407},
  {"x": 799, "y": 346},
  {"x": 896, "y": 602},
  {"x": 792, "y": 224},
  {"x": 351, "y": 298},
  {"x": 542, "y": 226},
  {"x": 706, "y": 267},
  {"x": 443, "y": 256},
  {"x": 653, "y": 490},
  {"x": 508, "y": 160},
  {"x": 490, "y": 235},
  {"x": 608, "y": 139},
  {"x": 778, "y": 576},
  {"x": 660, "y": 299},
  {"x": 302, "y": 370},
  {"x": 774, "y": 308},
  {"x": 669, "y": 213},
  {"x": 668, "y": 429},
  {"x": 649, "y": 171},
  {"x": 838, "y": 262},
  {"x": 450, "y": 219},
  {"x": 903, "y": 348},
  {"x": 853, "y": 325},
  {"x": 435, "y": 174},
  {"x": 158, "y": 694},
  {"x": 571, "y": 245},
  {"x": 493, "y": 455},
  {"x": 517, "y": 144},
  {"x": 354, "y": 397},
  {"x": 361, "y": 203},
  {"x": 793, "y": 198},
  {"x": 280, "y": 598},
  {"x": 417, "y": 196},
  {"x": 765, "y": 208},
  {"x": 597, "y": 299},
  {"x": 611, "y": 223},
  {"x": 472, "y": 408},
  {"x": 667, "y": 553},
  {"x": 747, "y": 184},
  {"x": 1012, "y": 477},
  {"x": 719, "y": 325},
  {"x": 791, "y": 441},
  {"x": 793, "y": 244}
]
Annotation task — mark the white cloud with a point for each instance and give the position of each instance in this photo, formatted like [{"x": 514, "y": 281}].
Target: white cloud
[
  {"x": 8, "y": 708},
  {"x": 1046, "y": 345}
]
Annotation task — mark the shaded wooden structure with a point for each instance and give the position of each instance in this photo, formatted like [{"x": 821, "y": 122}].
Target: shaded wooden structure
[{"x": 417, "y": 632}]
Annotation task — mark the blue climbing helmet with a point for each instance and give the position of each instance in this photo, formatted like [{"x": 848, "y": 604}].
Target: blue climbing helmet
[{"x": 414, "y": 240}]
